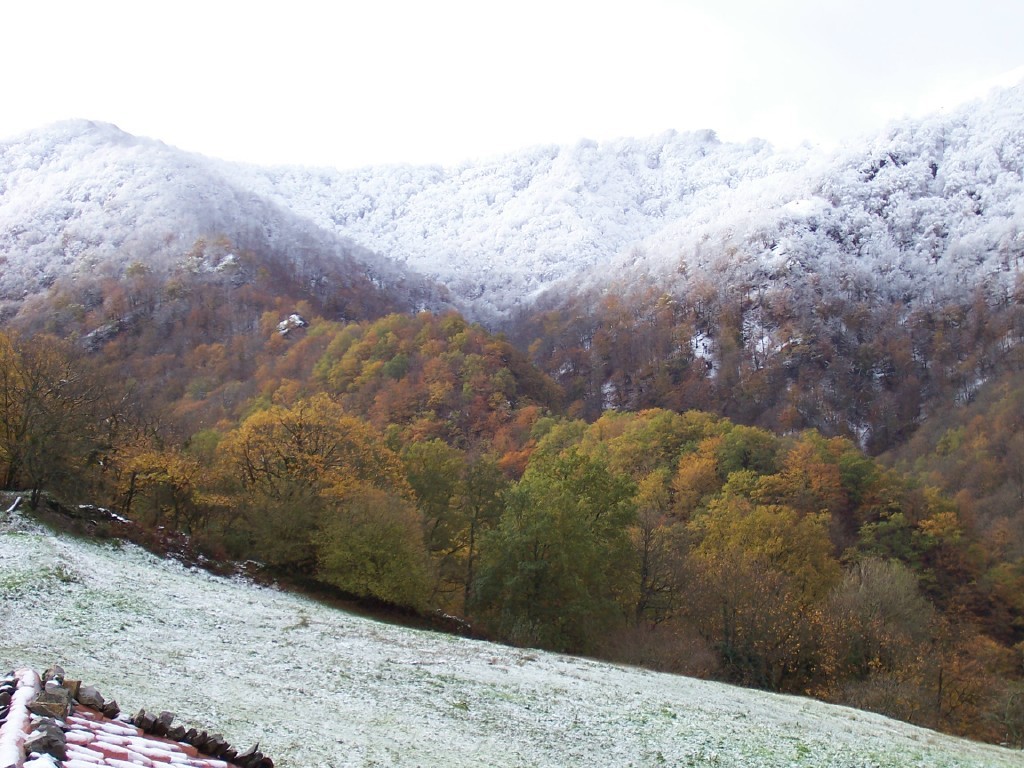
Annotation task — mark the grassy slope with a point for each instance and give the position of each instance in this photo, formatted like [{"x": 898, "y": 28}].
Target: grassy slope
[{"x": 318, "y": 687}]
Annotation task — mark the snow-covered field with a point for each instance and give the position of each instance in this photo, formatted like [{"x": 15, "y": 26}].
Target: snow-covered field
[{"x": 318, "y": 687}]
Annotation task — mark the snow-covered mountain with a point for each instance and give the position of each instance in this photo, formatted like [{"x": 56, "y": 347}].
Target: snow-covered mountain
[
  {"x": 929, "y": 208},
  {"x": 84, "y": 198},
  {"x": 925, "y": 210},
  {"x": 501, "y": 232},
  {"x": 316, "y": 686}
]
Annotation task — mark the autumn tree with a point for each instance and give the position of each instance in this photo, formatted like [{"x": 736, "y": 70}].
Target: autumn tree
[
  {"x": 293, "y": 464},
  {"x": 431, "y": 376},
  {"x": 697, "y": 478},
  {"x": 659, "y": 545},
  {"x": 749, "y": 448},
  {"x": 49, "y": 424},
  {"x": 481, "y": 503},
  {"x": 636, "y": 444},
  {"x": 881, "y": 629},
  {"x": 808, "y": 480},
  {"x": 434, "y": 470},
  {"x": 162, "y": 486},
  {"x": 372, "y": 546},
  {"x": 761, "y": 572}
]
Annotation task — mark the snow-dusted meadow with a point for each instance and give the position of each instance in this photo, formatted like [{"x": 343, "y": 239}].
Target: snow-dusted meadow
[{"x": 318, "y": 687}]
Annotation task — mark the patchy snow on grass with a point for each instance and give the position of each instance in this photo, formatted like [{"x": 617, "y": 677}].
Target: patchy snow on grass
[{"x": 320, "y": 687}]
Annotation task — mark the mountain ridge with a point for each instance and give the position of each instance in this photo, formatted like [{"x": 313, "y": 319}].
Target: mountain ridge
[
  {"x": 83, "y": 198},
  {"x": 545, "y": 214},
  {"x": 894, "y": 218},
  {"x": 929, "y": 206}
]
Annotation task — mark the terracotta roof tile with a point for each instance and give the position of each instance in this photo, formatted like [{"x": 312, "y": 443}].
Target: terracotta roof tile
[{"x": 93, "y": 739}]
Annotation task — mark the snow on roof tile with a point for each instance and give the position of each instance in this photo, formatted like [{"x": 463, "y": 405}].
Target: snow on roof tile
[{"x": 92, "y": 739}]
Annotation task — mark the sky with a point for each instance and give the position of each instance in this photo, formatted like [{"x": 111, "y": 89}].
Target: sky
[{"x": 349, "y": 84}]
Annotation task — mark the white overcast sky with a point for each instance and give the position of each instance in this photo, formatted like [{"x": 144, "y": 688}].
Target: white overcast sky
[{"x": 348, "y": 84}]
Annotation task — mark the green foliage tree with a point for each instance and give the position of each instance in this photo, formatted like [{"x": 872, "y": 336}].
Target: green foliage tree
[
  {"x": 434, "y": 470},
  {"x": 557, "y": 569},
  {"x": 481, "y": 506},
  {"x": 371, "y": 545},
  {"x": 747, "y": 448}
]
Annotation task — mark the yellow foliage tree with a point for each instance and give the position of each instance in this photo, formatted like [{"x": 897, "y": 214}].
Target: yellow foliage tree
[
  {"x": 697, "y": 478},
  {"x": 162, "y": 485},
  {"x": 775, "y": 535},
  {"x": 48, "y": 420},
  {"x": 658, "y": 544},
  {"x": 286, "y": 459},
  {"x": 807, "y": 481},
  {"x": 760, "y": 572}
]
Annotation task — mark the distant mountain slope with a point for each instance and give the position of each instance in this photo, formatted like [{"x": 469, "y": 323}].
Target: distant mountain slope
[
  {"x": 928, "y": 209},
  {"x": 316, "y": 686},
  {"x": 500, "y": 232},
  {"x": 82, "y": 198}
]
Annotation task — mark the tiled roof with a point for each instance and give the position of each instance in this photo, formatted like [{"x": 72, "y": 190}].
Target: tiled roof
[{"x": 36, "y": 734}]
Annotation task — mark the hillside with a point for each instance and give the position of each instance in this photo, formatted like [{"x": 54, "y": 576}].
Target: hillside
[
  {"x": 82, "y": 200},
  {"x": 317, "y": 686},
  {"x": 852, "y": 291},
  {"x": 502, "y": 231},
  {"x": 645, "y": 365},
  {"x": 926, "y": 210},
  {"x": 923, "y": 212}
]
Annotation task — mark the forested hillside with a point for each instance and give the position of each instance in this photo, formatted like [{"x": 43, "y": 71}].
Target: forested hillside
[
  {"x": 929, "y": 209},
  {"x": 420, "y": 462},
  {"x": 711, "y": 409}
]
